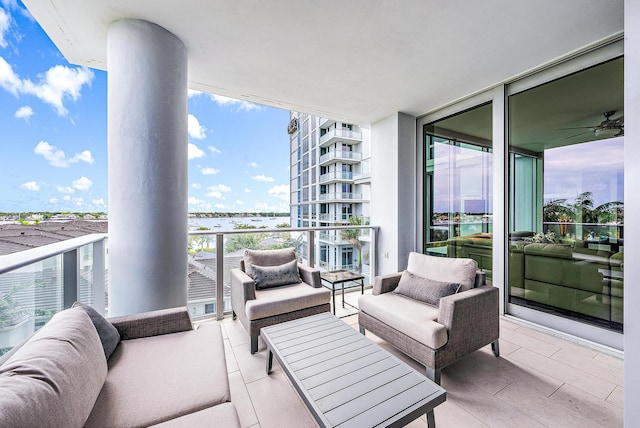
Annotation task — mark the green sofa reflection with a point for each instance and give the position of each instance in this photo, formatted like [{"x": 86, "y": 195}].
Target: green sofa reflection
[{"x": 577, "y": 276}]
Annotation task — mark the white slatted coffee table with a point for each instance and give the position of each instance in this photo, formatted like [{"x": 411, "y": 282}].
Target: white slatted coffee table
[{"x": 345, "y": 379}]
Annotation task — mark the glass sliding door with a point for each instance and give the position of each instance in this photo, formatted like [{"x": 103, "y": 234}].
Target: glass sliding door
[
  {"x": 458, "y": 187},
  {"x": 566, "y": 204}
]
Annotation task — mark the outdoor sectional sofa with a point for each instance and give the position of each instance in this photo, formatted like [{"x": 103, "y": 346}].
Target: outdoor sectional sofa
[
  {"x": 161, "y": 371},
  {"x": 577, "y": 276}
]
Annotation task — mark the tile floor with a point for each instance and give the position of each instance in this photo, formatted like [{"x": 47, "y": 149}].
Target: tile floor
[{"x": 540, "y": 380}]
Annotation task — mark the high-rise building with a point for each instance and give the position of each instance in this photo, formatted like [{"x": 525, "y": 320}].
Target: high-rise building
[{"x": 330, "y": 186}]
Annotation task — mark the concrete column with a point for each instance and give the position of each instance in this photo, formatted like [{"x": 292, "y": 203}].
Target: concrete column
[
  {"x": 147, "y": 146},
  {"x": 631, "y": 207},
  {"x": 393, "y": 190}
]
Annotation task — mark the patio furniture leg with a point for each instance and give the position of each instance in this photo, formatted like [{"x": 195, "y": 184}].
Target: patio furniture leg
[
  {"x": 254, "y": 344},
  {"x": 495, "y": 347},
  {"x": 433, "y": 375},
  {"x": 431, "y": 420},
  {"x": 233, "y": 315},
  {"x": 269, "y": 360},
  {"x": 361, "y": 328}
]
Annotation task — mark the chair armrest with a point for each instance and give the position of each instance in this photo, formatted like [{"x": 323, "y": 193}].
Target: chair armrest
[
  {"x": 242, "y": 285},
  {"x": 471, "y": 317},
  {"x": 386, "y": 283},
  {"x": 310, "y": 275},
  {"x": 153, "y": 323}
]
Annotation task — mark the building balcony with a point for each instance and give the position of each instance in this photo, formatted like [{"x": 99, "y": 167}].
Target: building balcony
[
  {"x": 339, "y": 197},
  {"x": 333, "y": 238},
  {"x": 343, "y": 156},
  {"x": 325, "y": 122},
  {"x": 540, "y": 379},
  {"x": 336, "y": 176},
  {"x": 335, "y": 135}
]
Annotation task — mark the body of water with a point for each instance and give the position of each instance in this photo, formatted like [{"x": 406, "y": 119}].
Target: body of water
[{"x": 228, "y": 223}]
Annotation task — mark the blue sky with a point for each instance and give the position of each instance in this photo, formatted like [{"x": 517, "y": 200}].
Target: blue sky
[{"x": 53, "y": 135}]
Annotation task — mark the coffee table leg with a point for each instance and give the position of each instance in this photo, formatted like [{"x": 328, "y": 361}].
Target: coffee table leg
[
  {"x": 343, "y": 295},
  {"x": 431, "y": 420},
  {"x": 269, "y": 360}
]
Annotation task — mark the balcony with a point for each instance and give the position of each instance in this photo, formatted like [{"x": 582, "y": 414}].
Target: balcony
[
  {"x": 539, "y": 380},
  {"x": 343, "y": 156},
  {"x": 336, "y": 176},
  {"x": 338, "y": 197},
  {"x": 335, "y": 135},
  {"x": 332, "y": 238},
  {"x": 325, "y": 122}
]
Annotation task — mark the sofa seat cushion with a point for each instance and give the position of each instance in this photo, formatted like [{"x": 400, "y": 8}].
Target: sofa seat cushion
[
  {"x": 154, "y": 379},
  {"x": 55, "y": 378},
  {"x": 454, "y": 270},
  {"x": 413, "y": 318},
  {"x": 223, "y": 415},
  {"x": 284, "y": 299}
]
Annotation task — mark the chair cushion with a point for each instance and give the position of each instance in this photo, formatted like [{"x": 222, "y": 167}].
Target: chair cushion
[
  {"x": 108, "y": 334},
  {"x": 424, "y": 289},
  {"x": 222, "y": 415},
  {"x": 267, "y": 258},
  {"x": 275, "y": 276},
  {"x": 55, "y": 377},
  {"x": 157, "y": 378},
  {"x": 285, "y": 299},
  {"x": 411, "y": 317},
  {"x": 458, "y": 270}
]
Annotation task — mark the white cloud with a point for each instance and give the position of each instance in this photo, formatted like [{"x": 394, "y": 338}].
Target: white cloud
[
  {"x": 30, "y": 185},
  {"x": 209, "y": 171},
  {"x": 280, "y": 191},
  {"x": 253, "y": 165},
  {"x": 53, "y": 200},
  {"x": 215, "y": 150},
  {"x": 66, "y": 198},
  {"x": 247, "y": 190},
  {"x": 219, "y": 188},
  {"x": 220, "y": 206},
  {"x": 82, "y": 183},
  {"x": 193, "y": 93},
  {"x": 24, "y": 112},
  {"x": 5, "y": 23},
  {"x": 242, "y": 105},
  {"x": 56, "y": 85},
  {"x": 193, "y": 201},
  {"x": 215, "y": 194},
  {"x": 263, "y": 178},
  {"x": 98, "y": 202},
  {"x": 196, "y": 186},
  {"x": 67, "y": 189},
  {"x": 79, "y": 201},
  {"x": 195, "y": 130},
  {"x": 56, "y": 157},
  {"x": 194, "y": 152},
  {"x": 239, "y": 202}
]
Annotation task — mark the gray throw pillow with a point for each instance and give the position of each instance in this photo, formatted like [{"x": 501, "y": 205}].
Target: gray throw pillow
[
  {"x": 275, "y": 276},
  {"x": 424, "y": 289},
  {"x": 108, "y": 334}
]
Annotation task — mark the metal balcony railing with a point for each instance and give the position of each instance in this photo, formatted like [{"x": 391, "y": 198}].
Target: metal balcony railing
[
  {"x": 340, "y": 196},
  {"x": 337, "y": 134},
  {"x": 336, "y": 176},
  {"x": 37, "y": 283},
  {"x": 340, "y": 155}
]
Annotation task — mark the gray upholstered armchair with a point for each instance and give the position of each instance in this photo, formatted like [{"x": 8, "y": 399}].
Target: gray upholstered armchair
[
  {"x": 271, "y": 287},
  {"x": 436, "y": 312}
]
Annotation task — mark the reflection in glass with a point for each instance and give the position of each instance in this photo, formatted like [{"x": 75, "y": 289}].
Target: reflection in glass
[
  {"x": 566, "y": 202},
  {"x": 458, "y": 187}
]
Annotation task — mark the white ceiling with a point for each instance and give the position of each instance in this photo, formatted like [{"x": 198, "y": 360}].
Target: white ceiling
[{"x": 357, "y": 60}]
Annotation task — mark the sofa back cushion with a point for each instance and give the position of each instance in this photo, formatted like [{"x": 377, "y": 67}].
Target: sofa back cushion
[
  {"x": 452, "y": 270},
  {"x": 267, "y": 258},
  {"x": 55, "y": 378}
]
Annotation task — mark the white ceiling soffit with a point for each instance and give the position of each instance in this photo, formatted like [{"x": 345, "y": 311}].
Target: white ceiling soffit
[{"x": 357, "y": 60}]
